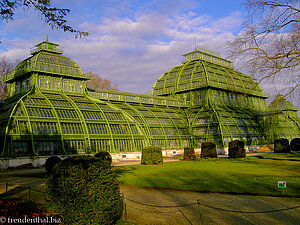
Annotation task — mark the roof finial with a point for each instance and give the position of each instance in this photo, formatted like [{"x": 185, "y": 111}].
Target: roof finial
[
  {"x": 47, "y": 37},
  {"x": 196, "y": 46}
]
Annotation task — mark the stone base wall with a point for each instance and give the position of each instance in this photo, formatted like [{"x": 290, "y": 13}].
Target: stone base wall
[
  {"x": 13, "y": 163},
  {"x": 126, "y": 156},
  {"x": 38, "y": 161}
]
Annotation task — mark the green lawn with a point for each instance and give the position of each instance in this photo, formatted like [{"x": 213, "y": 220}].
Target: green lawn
[{"x": 251, "y": 175}]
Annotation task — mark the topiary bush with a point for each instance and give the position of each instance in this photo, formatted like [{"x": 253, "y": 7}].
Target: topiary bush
[
  {"x": 51, "y": 162},
  {"x": 236, "y": 149},
  {"x": 295, "y": 144},
  {"x": 208, "y": 150},
  {"x": 151, "y": 155},
  {"x": 281, "y": 145},
  {"x": 84, "y": 190},
  {"x": 104, "y": 156},
  {"x": 189, "y": 154}
]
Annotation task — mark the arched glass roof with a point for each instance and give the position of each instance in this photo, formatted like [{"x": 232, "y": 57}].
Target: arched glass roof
[
  {"x": 164, "y": 126},
  {"x": 281, "y": 125},
  {"x": 282, "y": 120},
  {"x": 47, "y": 59},
  {"x": 203, "y": 72},
  {"x": 67, "y": 125},
  {"x": 280, "y": 103}
]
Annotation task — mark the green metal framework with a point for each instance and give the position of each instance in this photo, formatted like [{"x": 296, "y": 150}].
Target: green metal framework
[
  {"x": 223, "y": 102},
  {"x": 281, "y": 121},
  {"x": 201, "y": 70},
  {"x": 49, "y": 110},
  {"x": 162, "y": 119}
]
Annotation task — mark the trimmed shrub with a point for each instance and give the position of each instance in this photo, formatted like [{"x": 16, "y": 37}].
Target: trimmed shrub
[
  {"x": 295, "y": 144},
  {"x": 51, "y": 162},
  {"x": 208, "y": 150},
  {"x": 236, "y": 149},
  {"x": 104, "y": 156},
  {"x": 151, "y": 155},
  {"x": 281, "y": 145},
  {"x": 84, "y": 190},
  {"x": 189, "y": 154}
]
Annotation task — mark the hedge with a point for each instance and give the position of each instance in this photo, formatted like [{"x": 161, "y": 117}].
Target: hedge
[
  {"x": 281, "y": 145},
  {"x": 51, "y": 162},
  {"x": 151, "y": 155},
  {"x": 84, "y": 190},
  {"x": 295, "y": 144},
  {"x": 236, "y": 149},
  {"x": 104, "y": 156},
  {"x": 208, "y": 150},
  {"x": 189, "y": 154}
]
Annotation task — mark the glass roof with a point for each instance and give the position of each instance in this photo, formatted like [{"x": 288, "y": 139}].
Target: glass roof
[
  {"x": 280, "y": 103},
  {"x": 198, "y": 72},
  {"x": 47, "y": 58}
]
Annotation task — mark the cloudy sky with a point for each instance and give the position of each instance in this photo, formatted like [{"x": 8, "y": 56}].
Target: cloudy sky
[{"x": 131, "y": 42}]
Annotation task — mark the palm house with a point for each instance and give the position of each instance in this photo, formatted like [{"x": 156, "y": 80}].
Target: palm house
[{"x": 49, "y": 109}]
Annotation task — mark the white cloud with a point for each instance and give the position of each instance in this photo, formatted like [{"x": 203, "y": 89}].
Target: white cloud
[
  {"x": 229, "y": 23},
  {"x": 133, "y": 53},
  {"x": 16, "y": 49},
  {"x": 190, "y": 21}
]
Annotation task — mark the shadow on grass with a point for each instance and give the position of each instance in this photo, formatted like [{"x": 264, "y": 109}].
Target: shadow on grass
[
  {"x": 34, "y": 175},
  {"x": 13, "y": 191},
  {"x": 278, "y": 159},
  {"x": 121, "y": 170},
  {"x": 292, "y": 160},
  {"x": 292, "y": 156}
]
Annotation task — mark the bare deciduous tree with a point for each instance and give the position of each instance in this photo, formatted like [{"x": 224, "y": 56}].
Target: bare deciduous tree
[
  {"x": 268, "y": 46},
  {"x": 5, "y": 68},
  {"x": 98, "y": 82}
]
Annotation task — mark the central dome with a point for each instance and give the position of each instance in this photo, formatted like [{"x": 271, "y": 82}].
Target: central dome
[
  {"x": 47, "y": 58},
  {"x": 203, "y": 70}
]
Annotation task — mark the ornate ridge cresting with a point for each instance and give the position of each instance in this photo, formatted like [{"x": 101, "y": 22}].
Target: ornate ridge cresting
[
  {"x": 46, "y": 46},
  {"x": 207, "y": 55},
  {"x": 47, "y": 58}
]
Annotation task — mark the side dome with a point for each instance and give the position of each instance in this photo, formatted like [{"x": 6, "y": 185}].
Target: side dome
[
  {"x": 281, "y": 104},
  {"x": 46, "y": 58},
  {"x": 201, "y": 70},
  {"x": 282, "y": 120}
]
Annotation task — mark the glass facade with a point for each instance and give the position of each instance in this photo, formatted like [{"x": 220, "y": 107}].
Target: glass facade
[
  {"x": 223, "y": 104},
  {"x": 50, "y": 111},
  {"x": 281, "y": 121}
]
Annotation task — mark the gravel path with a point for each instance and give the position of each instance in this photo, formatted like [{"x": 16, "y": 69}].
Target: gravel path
[{"x": 143, "y": 206}]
